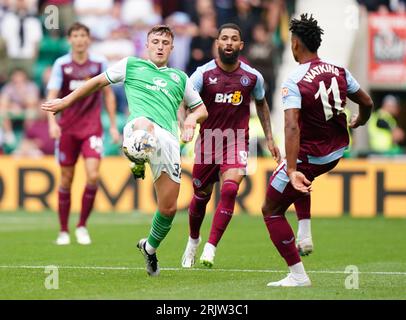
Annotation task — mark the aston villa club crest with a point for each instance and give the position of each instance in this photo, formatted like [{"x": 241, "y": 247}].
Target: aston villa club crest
[
  {"x": 245, "y": 81},
  {"x": 68, "y": 70},
  {"x": 197, "y": 183}
]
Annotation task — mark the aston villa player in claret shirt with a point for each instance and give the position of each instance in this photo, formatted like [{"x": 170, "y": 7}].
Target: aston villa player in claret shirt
[
  {"x": 227, "y": 86},
  {"x": 314, "y": 97},
  {"x": 78, "y": 130}
]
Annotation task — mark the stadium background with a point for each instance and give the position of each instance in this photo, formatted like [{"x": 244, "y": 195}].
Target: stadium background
[{"x": 364, "y": 184}]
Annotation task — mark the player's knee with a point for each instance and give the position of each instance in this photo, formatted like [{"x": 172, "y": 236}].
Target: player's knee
[
  {"x": 201, "y": 193},
  {"x": 266, "y": 210},
  {"x": 92, "y": 178},
  {"x": 66, "y": 180},
  {"x": 168, "y": 210},
  {"x": 229, "y": 189}
]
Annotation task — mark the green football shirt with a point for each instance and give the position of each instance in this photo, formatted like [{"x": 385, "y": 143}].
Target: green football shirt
[{"x": 152, "y": 92}]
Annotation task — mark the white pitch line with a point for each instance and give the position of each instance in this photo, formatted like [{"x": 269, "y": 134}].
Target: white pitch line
[{"x": 197, "y": 269}]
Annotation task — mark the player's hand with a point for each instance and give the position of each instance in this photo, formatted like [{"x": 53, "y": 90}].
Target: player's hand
[
  {"x": 274, "y": 151},
  {"x": 54, "y": 130},
  {"x": 300, "y": 182},
  {"x": 115, "y": 135},
  {"x": 54, "y": 105},
  {"x": 188, "y": 128},
  {"x": 355, "y": 122}
]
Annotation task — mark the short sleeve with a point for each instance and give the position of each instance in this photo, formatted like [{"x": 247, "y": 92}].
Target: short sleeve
[
  {"x": 352, "y": 84},
  {"x": 291, "y": 97},
  {"x": 56, "y": 79},
  {"x": 116, "y": 73},
  {"x": 197, "y": 79},
  {"x": 259, "y": 90},
  {"x": 191, "y": 97}
]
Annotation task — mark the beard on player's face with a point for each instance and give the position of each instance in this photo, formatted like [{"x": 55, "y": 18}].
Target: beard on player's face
[{"x": 229, "y": 58}]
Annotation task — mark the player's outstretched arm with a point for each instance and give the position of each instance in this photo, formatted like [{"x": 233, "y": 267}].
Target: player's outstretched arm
[
  {"x": 365, "y": 107},
  {"x": 292, "y": 144},
  {"x": 111, "y": 107},
  {"x": 197, "y": 115},
  {"x": 265, "y": 119},
  {"x": 90, "y": 86}
]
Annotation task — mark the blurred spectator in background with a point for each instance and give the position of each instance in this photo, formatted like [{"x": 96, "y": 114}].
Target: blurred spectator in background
[
  {"x": 3, "y": 49},
  {"x": 116, "y": 47},
  {"x": 167, "y": 7},
  {"x": 200, "y": 8},
  {"x": 21, "y": 31},
  {"x": 375, "y": 5},
  {"x": 201, "y": 48},
  {"x": 260, "y": 54},
  {"x": 277, "y": 19},
  {"x": 36, "y": 141},
  {"x": 383, "y": 6},
  {"x": 139, "y": 16},
  {"x": 51, "y": 47},
  {"x": 19, "y": 100},
  {"x": 246, "y": 19},
  {"x": 184, "y": 29},
  {"x": 1, "y": 139},
  {"x": 98, "y": 15},
  {"x": 225, "y": 11},
  {"x": 383, "y": 130}
]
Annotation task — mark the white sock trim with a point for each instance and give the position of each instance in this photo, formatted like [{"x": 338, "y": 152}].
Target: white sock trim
[
  {"x": 209, "y": 246},
  {"x": 194, "y": 241},
  {"x": 298, "y": 271},
  {"x": 149, "y": 249},
  {"x": 304, "y": 231}
]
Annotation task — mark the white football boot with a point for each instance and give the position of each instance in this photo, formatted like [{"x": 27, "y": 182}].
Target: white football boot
[
  {"x": 63, "y": 239},
  {"x": 189, "y": 256},
  {"x": 291, "y": 281},
  {"x": 207, "y": 257},
  {"x": 305, "y": 246},
  {"x": 82, "y": 236}
]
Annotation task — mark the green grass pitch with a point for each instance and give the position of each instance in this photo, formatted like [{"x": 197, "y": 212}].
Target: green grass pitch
[{"x": 246, "y": 260}]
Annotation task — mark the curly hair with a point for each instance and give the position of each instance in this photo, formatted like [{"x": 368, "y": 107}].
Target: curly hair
[{"x": 307, "y": 30}]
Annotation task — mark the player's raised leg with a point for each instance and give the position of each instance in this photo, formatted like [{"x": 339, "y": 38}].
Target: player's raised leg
[
  {"x": 197, "y": 211},
  {"x": 64, "y": 203},
  {"x": 92, "y": 166},
  {"x": 167, "y": 192},
  {"x": 304, "y": 242},
  {"x": 231, "y": 180}
]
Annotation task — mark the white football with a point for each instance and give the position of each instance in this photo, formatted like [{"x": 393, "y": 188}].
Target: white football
[{"x": 139, "y": 145}]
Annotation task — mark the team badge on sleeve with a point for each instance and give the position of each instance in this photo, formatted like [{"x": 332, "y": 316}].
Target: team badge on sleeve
[{"x": 285, "y": 92}]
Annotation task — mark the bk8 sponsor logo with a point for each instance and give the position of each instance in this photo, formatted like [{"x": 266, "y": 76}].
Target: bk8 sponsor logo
[{"x": 234, "y": 98}]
